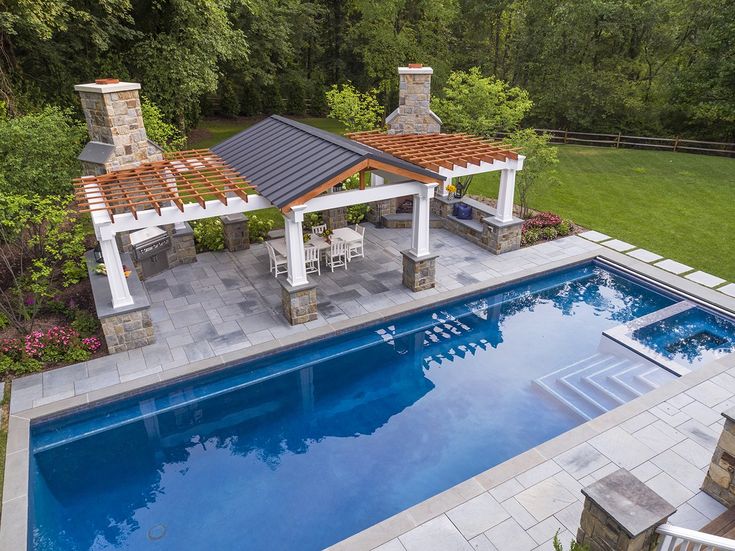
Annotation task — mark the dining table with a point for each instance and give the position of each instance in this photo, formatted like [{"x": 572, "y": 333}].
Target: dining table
[{"x": 348, "y": 235}]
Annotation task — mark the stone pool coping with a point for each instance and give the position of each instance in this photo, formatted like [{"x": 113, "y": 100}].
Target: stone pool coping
[{"x": 14, "y": 524}]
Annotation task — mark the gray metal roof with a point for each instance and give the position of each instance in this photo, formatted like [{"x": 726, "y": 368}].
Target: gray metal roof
[
  {"x": 285, "y": 159},
  {"x": 96, "y": 152}
]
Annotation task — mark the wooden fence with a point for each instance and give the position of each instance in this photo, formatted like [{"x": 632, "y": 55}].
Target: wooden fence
[{"x": 638, "y": 142}]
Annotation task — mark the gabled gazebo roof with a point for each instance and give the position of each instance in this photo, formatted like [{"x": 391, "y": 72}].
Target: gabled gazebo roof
[
  {"x": 290, "y": 162},
  {"x": 437, "y": 151}
]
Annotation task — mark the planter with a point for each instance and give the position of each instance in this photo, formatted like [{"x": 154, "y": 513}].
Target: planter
[{"x": 462, "y": 211}]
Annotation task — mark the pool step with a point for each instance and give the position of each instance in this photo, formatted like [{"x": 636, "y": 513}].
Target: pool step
[{"x": 601, "y": 382}]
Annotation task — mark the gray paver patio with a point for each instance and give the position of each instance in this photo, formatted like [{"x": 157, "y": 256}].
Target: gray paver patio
[{"x": 228, "y": 301}]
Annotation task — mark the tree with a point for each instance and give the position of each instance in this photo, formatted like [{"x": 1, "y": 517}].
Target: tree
[
  {"x": 165, "y": 134},
  {"x": 38, "y": 152},
  {"x": 357, "y": 111},
  {"x": 42, "y": 243},
  {"x": 537, "y": 171},
  {"x": 480, "y": 105}
]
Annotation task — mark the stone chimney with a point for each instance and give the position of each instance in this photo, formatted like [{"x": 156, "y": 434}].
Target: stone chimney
[
  {"x": 414, "y": 115},
  {"x": 116, "y": 129}
]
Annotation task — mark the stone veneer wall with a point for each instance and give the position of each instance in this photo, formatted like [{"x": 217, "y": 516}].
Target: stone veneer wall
[
  {"x": 128, "y": 330},
  {"x": 720, "y": 479},
  {"x": 183, "y": 249},
  {"x": 414, "y": 115},
  {"x": 336, "y": 218}
]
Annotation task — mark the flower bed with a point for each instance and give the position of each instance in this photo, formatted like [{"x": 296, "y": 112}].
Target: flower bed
[
  {"x": 58, "y": 344},
  {"x": 545, "y": 226}
]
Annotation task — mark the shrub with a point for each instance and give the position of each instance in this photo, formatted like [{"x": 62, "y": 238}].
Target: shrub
[
  {"x": 208, "y": 235},
  {"x": 549, "y": 233},
  {"x": 566, "y": 227},
  {"x": 259, "y": 228},
  {"x": 573, "y": 545},
  {"x": 312, "y": 219},
  {"x": 357, "y": 213},
  {"x": 530, "y": 236},
  {"x": 57, "y": 344},
  {"x": 85, "y": 323},
  {"x": 542, "y": 220},
  {"x": 355, "y": 110}
]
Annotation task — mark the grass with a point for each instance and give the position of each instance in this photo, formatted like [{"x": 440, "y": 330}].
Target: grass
[{"x": 679, "y": 205}]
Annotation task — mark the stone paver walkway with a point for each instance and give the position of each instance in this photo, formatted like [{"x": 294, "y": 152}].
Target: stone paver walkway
[
  {"x": 228, "y": 301},
  {"x": 667, "y": 442}
]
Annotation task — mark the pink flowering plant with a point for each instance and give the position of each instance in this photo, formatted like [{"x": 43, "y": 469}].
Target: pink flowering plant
[
  {"x": 545, "y": 226},
  {"x": 55, "y": 345}
]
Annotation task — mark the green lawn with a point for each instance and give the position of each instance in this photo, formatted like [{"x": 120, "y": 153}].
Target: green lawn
[{"x": 678, "y": 205}]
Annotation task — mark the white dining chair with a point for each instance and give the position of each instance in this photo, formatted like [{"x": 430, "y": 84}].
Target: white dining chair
[
  {"x": 313, "y": 263},
  {"x": 337, "y": 254},
  {"x": 357, "y": 248},
  {"x": 278, "y": 263},
  {"x": 318, "y": 230}
]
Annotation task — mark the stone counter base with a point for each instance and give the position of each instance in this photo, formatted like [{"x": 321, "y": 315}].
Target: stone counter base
[
  {"x": 719, "y": 482},
  {"x": 128, "y": 330}
]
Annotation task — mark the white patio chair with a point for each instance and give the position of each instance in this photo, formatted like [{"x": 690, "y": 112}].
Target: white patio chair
[
  {"x": 278, "y": 264},
  {"x": 313, "y": 263},
  {"x": 318, "y": 230},
  {"x": 357, "y": 248},
  {"x": 337, "y": 254}
]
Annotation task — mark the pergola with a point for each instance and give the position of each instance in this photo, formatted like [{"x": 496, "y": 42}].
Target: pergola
[{"x": 294, "y": 167}]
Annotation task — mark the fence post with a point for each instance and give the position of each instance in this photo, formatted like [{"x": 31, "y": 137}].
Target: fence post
[
  {"x": 565, "y": 136},
  {"x": 617, "y": 141},
  {"x": 676, "y": 142}
]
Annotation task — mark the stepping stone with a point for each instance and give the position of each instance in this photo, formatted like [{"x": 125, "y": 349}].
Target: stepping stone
[
  {"x": 703, "y": 278},
  {"x": 728, "y": 289},
  {"x": 618, "y": 245},
  {"x": 594, "y": 236},
  {"x": 644, "y": 255},
  {"x": 673, "y": 266}
]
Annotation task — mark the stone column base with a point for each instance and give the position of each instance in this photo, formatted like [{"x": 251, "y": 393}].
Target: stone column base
[
  {"x": 621, "y": 513},
  {"x": 501, "y": 237},
  {"x": 236, "y": 231},
  {"x": 128, "y": 331},
  {"x": 720, "y": 480},
  {"x": 183, "y": 249},
  {"x": 419, "y": 273},
  {"x": 299, "y": 303}
]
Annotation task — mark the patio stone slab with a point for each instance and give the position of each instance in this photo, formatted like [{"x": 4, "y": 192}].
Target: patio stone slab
[
  {"x": 703, "y": 278},
  {"x": 728, "y": 289},
  {"x": 644, "y": 255},
  {"x": 546, "y": 498},
  {"x": 673, "y": 266},
  {"x": 438, "y": 534},
  {"x": 618, "y": 245},
  {"x": 594, "y": 236}
]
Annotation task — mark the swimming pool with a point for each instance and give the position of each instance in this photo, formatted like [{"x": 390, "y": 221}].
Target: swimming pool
[{"x": 308, "y": 446}]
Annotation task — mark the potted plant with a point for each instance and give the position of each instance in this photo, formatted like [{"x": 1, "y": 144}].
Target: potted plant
[{"x": 307, "y": 237}]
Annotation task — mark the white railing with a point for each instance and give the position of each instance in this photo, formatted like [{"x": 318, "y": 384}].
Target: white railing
[{"x": 674, "y": 538}]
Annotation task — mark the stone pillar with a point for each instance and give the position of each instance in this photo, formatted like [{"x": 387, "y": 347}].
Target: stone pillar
[
  {"x": 720, "y": 482},
  {"x": 299, "y": 302},
  {"x": 237, "y": 232},
  {"x": 501, "y": 237},
  {"x": 183, "y": 249},
  {"x": 336, "y": 218},
  {"x": 414, "y": 114},
  {"x": 621, "y": 513},
  {"x": 419, "y": 273}
]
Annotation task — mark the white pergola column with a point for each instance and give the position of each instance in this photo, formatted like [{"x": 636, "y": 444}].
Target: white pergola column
[
  {"x": 505, "y": 195},
  {"x": 115, "y": 275},
  {"x": 420, "y": 245},
  {"x": 443, "y": 187},
  {"x": 295, "y": 246}
]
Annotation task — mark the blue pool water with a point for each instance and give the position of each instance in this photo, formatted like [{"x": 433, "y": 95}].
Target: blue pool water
[
  {"x": 303, "y": 448},
  {"x": 691, "y": 337}
]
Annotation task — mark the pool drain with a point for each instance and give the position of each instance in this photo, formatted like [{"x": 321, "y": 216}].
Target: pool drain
[{"x": 156, "y": 532}]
